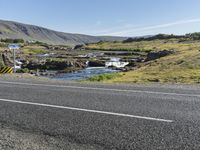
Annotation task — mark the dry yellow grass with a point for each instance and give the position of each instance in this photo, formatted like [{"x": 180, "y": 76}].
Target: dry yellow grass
[
  {"x": 181, "y": 67},
  {"x": 146, "y": 45}
]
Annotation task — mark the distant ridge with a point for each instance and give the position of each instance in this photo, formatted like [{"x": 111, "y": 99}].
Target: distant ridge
[{"x": 15, "y": 30}]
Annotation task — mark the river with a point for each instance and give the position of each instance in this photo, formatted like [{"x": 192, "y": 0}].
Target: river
[{"x": 83, "y": 74}]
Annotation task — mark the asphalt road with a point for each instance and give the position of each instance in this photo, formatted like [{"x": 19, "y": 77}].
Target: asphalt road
[{"x": 105, "y": 116}]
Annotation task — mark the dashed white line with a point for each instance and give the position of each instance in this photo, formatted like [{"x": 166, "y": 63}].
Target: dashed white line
[{"x": 86, "y": 110}]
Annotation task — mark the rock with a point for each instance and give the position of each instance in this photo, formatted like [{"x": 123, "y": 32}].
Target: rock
[
  {"x": 131, "y": 64},
  {"x": 157, "y": 55},
  {"x": 6, "y": 57},
  {"x": 57, "y": 65},
  {"x": 96, "y": 63},
  {"x": 1, "y": 62},
  {"x": 80, "y": 46}
]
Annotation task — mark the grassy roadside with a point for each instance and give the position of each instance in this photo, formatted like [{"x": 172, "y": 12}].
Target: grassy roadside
[{"x": 181, "y": 67}]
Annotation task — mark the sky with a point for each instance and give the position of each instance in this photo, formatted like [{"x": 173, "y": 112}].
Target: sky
[{"x": 107, "y": 17}]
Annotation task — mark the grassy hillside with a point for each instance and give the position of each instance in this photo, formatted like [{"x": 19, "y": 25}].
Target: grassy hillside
[
  {"x": 15, "y": 30},
  {"x": 181, "y": 67}
]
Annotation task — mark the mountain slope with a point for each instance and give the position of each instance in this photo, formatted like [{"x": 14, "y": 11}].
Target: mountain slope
[{"x": 15, "y": 30}]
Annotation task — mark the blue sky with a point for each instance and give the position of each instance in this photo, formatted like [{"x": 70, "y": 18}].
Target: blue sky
[{"x": 107, "y": 17}]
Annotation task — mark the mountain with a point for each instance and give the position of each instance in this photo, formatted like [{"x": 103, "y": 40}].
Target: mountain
[{"x": 15, "y": 30}]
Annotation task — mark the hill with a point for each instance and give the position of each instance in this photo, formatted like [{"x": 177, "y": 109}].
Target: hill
[{"x": 15, "y": 30}]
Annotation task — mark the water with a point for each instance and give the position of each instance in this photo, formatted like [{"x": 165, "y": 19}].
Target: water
[{"x": 83, "y": 74}]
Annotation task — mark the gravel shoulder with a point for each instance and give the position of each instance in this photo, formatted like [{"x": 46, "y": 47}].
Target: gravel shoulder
[{"x": 18, "y": 76}]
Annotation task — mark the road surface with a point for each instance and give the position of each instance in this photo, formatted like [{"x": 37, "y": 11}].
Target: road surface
[{"x": 104, "y": 116}]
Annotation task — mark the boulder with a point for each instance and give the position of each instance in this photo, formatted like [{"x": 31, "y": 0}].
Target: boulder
[
  {"x": 96, "y": 63},
  {"x": 80, "y": 46},
  {"x": 159, "y": 54}
]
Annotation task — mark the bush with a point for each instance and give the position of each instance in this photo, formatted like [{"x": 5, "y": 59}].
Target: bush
[
  {"x": 25, "y": 70},
  {"x": 129, "y": 40},
  {"x": 12, "y": 40},
  {"x": 156, "y": 37},
  {"x": 194, "y": 36}
]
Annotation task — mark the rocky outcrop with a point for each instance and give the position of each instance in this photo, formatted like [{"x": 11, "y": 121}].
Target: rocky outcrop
[
  {"x": 62, "y": 65},
  {"x": 96, "y": 63},
  {"x": 1, "y": 61},
  {"x": 65, "y": 65},
  {"x": 79, "y": 46},
  {"x": 5, "y": 59},
  {"x": 159, "y": 54}
]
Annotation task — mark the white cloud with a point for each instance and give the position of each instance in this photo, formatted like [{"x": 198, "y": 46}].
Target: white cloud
[{"x": 130, "y": 29}]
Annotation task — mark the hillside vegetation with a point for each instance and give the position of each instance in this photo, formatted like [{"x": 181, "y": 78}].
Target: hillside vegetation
[{"x": 181, "y": 67}]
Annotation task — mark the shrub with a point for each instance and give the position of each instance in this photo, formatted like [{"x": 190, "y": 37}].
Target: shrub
[
  {"x": 12, "y": 40},
  {"x": 24, "y": 70}
]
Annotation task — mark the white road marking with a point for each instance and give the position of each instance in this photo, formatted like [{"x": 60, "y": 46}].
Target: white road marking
[
  {"x": 102, "y": 89},
  {"x": 86, "y": 110}
]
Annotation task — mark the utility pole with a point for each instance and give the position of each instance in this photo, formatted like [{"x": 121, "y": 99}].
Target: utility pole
[{"x": 14, "y": 61}]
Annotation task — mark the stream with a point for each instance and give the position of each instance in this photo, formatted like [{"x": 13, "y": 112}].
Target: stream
[{"x": 83, "y": 74}]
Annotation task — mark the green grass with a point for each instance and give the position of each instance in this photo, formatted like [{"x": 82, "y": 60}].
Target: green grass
[
  {"x": 34, "y": 51},
  {"x": 103, "y": 77}
]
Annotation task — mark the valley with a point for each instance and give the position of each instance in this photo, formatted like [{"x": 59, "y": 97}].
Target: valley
[{"x": 160, "y": 58}]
